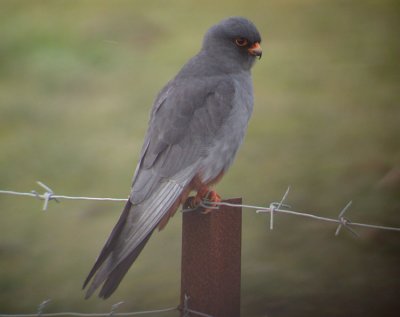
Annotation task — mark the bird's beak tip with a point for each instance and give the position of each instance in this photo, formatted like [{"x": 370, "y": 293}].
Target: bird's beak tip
[{"x": 256, "y": 50}]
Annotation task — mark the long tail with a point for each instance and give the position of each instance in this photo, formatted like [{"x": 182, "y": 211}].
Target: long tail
[{"x": 128, "y": 238}]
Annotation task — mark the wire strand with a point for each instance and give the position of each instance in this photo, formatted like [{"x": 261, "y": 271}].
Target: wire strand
[
  {"x": 274, "y": 207},
  {"x": 76, "y": 314}
]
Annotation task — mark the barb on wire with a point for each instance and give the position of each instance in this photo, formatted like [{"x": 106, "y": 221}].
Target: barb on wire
[
  {"x": 344, "y": 222},
  {"x": 185, "y": 305},
  {"x": 41, "y": 307},
  {"x": 187, "y": 311},
  {"x": 47, "y": 195},
  {"x": 114, "y": 308},
  {"x": 276, "y": 206},
  {"x": 273, "y": 208}
]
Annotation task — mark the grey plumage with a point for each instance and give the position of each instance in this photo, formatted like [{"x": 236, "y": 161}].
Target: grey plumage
[{"x": 196, "y": 125}]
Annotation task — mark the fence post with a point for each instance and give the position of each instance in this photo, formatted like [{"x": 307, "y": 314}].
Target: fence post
[{"x": 211, "y": 259}]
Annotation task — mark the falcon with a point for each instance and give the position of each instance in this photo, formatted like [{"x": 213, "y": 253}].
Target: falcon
[{"x": 197, "y": 123}]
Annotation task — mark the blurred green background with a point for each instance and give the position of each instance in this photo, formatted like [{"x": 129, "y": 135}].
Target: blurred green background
[{"x": 77, "y": 80}]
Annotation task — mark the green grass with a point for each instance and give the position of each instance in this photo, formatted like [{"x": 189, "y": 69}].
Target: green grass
[{"x": 77, "y": 80}]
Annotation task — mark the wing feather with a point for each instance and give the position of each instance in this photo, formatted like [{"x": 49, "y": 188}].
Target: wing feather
[{"x": 181, "y": 131}]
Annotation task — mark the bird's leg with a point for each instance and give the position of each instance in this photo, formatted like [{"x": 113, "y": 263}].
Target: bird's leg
[{"x": 204, "y": 194}]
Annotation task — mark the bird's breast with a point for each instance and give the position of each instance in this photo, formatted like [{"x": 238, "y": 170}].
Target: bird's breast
[{"x": 231, "y": 133}]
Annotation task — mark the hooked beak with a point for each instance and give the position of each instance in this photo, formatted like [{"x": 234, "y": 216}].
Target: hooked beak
[{"x": 255, "y": 50}]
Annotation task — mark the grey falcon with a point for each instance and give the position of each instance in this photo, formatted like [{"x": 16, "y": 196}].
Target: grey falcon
[{"x": 196, "y": 126}]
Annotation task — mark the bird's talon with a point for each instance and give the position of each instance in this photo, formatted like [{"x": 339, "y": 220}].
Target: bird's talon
[
  {"x": 205, "y": 200},
  {"x": 210, "y": 198},
  {"x": 190, "y": 203}
]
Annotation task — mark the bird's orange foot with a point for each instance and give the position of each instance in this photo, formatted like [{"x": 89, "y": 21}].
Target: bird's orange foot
[
  {"x": 204, "y": 195},
  {"x": 211, "y": 199}
]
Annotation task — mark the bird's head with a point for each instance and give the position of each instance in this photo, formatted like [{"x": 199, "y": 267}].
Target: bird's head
[{"x": 234, "y": 40}]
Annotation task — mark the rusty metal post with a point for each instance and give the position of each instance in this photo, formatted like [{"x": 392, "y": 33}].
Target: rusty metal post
[{"x": 211, "y": 259}]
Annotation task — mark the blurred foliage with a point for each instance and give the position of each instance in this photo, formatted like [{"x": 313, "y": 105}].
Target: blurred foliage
[{"x": 77, "y": 80}]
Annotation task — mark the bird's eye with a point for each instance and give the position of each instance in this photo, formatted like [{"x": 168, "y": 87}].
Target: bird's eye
[{"x": 241, "y": 41}]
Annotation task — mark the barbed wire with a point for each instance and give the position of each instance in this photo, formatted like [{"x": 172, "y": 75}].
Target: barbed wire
[
  {"x": 113, "y": 312},
  {"x": 272, "y": 209},
  {"x": 276, "y": 207},
  {"x": 49, "y": 195}
]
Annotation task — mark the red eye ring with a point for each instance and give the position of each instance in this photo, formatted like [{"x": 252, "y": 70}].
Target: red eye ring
[{"x": 241, "y": 41}]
